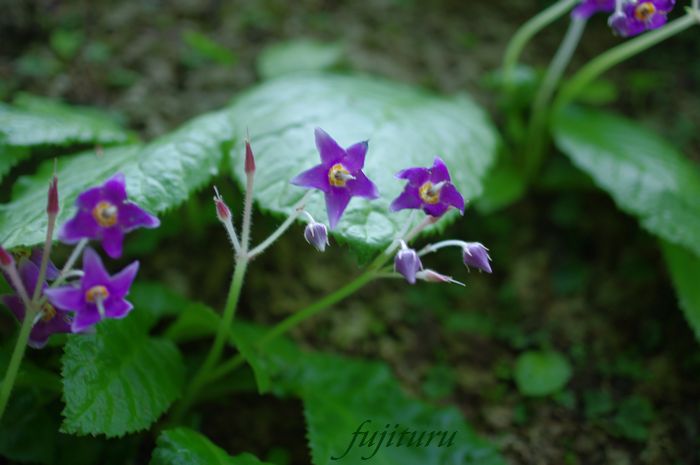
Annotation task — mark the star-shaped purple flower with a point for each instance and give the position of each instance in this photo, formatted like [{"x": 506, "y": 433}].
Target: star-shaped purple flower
[
  {"x": 98, "y": 296},
  {"x": 104, "y": 213},
  {"x": 639, "y": 16},
  {"x": 51, "y": 321},
  {"x": 430, "y": 189},
  {"x": 339, "y": 175},
  {"x": 588, "y": 8}
]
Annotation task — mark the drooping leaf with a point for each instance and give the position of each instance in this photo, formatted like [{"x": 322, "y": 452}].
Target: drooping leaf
[
  {"x": 118, "y": 380},
  {"x": 685, "y": 274},
  {"x": 405, "y": 127},
  {"x": 35, "y": 121},
  {"x": 182, "y": 446},
  {"x": 159, "y": 175},
  {"x": 295, "y": 56},
  {"x": 541, "y": 373},
  {"x": 645, "y": 175}
]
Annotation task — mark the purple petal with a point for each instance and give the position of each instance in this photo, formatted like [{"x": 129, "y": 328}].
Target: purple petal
[
  {"x": 451, "y": 196},
  {"x": 355, "y": 158},
  {"x": 409, "y": 198},
  {"x": 361, "y": 186},
  {"x": 664, "y": 5},
  {"x": 117, "y": 308},
  {"x": 656, "y": 21},
  {"x": 66, "y": 297},
  {"x": 121, "y": 282},
  {"x": 29, "y": 273},
  {"x": 436, "y": 209},
  {"x": 95, "y": 273},
  {"x": 40, "y": 333},
  {"x": 114, "y": 189},
  {"x": 476, "y": 255},
  {"x": 415, "y": 176},
  {"x": 112, "y": 239},
  {"x": 51, "y": 271},
  {"x": 86, "y": 318},
  {"x": 438, "y": 172},
  {"x": 336, "y": 202},
  {"x": 588, "y": 8},
  {"x": 316, "y": 178},
  {"x": 88, "y": 199},
  {"x": 81, "y": 226},
  {"x": 407, "y": 263},
  {"x": 14, "y": 303},
  {"x": 131, "y": 216},
  {"x": 328, "y": 148}
]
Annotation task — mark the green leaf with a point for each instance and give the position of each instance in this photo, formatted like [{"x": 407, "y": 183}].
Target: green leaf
[
  {"x": 405, "y": 127},
  {"x": 208, "y": 49},
  {"x": 118, "y": 380},
  {"x": 38, "y": 121},
  {"x": 159, "y": 176},
  {"x": 685, "y": 270},
  {"x": 28, "y": 429},
  {"x": 9, "y": 157},
  {"x": 645, "y": 175},
  {"x": 541, "y": 373},
  {"x": 301, "y": 55},
  {"x": 182, "y": 446}
]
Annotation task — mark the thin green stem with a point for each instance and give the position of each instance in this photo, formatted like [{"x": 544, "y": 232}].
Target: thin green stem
[
  {"x": 298, "y": 210},
  {"x": 16, "y": 360},
  {"x": 618, "y": 54},
  {"x": 44, "y": 258},
  {"x": 527, "y": 31},
  {"x": 247, "y": 214}
]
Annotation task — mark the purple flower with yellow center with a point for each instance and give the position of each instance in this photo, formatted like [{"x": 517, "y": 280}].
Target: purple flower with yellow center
[
  {"x": 639, "y": 16},
  {"x": 588, "y": 8},
  {"x": 49, "y": 321},
  {"x": 105, "y": 213},
  {"x": 339, "y": 175},
  {"x": 98, "y": 295},
  {"x": 430, "y": 189}
]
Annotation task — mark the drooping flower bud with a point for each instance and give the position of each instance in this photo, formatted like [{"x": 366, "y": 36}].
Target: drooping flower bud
[
  {"x": 6, "y": 259},
  {"x": 222, "y": 210},
  {"x": 433, "y": 276},
  {"x": 476, "y": 255},
  {"x": 249, "y": 158},
  {"x": 316, "y": 234},
  {"x": 407, "y": 263},
  {"x": 52, "y": 204}
]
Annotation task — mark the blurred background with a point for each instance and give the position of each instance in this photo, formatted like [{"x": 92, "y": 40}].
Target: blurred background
[{"x": 573, "y": 276}]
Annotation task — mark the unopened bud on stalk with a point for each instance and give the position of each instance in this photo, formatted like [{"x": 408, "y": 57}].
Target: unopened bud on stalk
[
  {"x": 407, "y": 263},
  {"x": 52, "y": 204},
  {"x": 316, "y": 234},
  {"x": 476, "y": 255},
  {"x": 222, "y": 210},
  {"x": 433, "y": 276},
  {"x": 6, "y": 259},
  {"x": 249, "y": 158}
]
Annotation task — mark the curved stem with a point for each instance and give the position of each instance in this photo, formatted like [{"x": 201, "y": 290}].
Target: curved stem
[
  {"x": 16, "y": 360},
  {"x": 527, "y": 31},
  {"x": 298, "y": 210},
  {"x": 615, "y": 55}
]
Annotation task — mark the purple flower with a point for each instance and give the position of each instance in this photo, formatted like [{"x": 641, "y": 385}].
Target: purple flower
[
  {"x": 476, "y": 255},
  {"x": 637, "y": 17},
  {"x": 588, "y": 8},
  {"x": 51, "y": 271},
  {"x": 104, "y": 213},
  {"x": 316, "y": 235},
  {"x": 430, "y": 189},
  {"x": 52, "y": 320},
  {"x": 407, "y": 263},
  {"x": 98, "y": 296},
  {"x": 339, "y": 175}
]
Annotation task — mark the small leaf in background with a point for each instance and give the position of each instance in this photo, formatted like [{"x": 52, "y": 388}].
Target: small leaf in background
[
  {"x": 182, "y": 446},
  {"x": 541, "y": 373},
  {"x": 202, "y": 50},
  {"x": 301, "y": 55},
  {"x": 633, "y": 418},
  {"x": 599, "y": 92},
  {"x": 118, "y": 380},
  {"x": 66, "y": 42},
  {"x": 685, "y": 274},
  {"x": 405, "y": 127},
  {"x": 645, "y": 175},
  {"x": 9, "y": 157}
]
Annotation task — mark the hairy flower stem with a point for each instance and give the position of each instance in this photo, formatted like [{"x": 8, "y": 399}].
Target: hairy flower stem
[
  {"x": 298, "y": 210},
  {"x": 247, "y": 214},
  {"x": 16, "y": 359},
  {"x": 70, "y": 263},
  {"x": 44, "y": 258},
  {"x": 527, "y": 31},
  {"x": 618, "y": 54},
  {"x": 535, "y": 141}
]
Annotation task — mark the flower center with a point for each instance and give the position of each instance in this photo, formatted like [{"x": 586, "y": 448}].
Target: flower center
[
  {"x": 338, "y": 175},
  {"x": 96, "y": 293},
  {"x": 644, "y": 11},
  {"x": 48, "y": 313},
  {"x": 105, "y": 213},
  {"x": 430, "y": 193}
]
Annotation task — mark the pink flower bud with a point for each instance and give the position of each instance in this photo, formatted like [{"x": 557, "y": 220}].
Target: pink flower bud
[
  {"x": 52, "y": 204},
  {"x": 433, "y": 276},
  {"x": 5, "y": 258},
  {"x": 249, "y": 158},
  {"x": 222, "y": 210}
]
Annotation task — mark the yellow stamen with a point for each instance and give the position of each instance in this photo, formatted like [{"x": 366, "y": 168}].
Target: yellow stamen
[
  {"x": 48, "y": 313},
  {"x": 644, "y": 11},
  {"x": 338, "y": 176},
  {"x": 429, "y": 194},
  {"x": 105, "y": 213},
  {"x": 96, "y": 293}
]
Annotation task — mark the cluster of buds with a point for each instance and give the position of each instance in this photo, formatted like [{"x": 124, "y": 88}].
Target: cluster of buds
[
  {"x": 73, "y": 301},
  {"x": 629, "y": 17}
]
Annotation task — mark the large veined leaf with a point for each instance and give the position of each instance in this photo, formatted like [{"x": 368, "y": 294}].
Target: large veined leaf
[
  {"x": 159, "y": 176},
  {"x": 645, "y": 175},
  {"x": 685, "y": 272},
  {"x": 405, "y": 127},
  {"x": 182, "y": 446},
  {"x": 119, "y": 380},
  {"x": 9, "y": 157},
  {"x": 37, "y": 121}
]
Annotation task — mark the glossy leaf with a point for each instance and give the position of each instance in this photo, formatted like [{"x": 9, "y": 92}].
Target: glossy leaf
[
  {"x": 182, "y": 446},
  {"x": 541, "y": 373},
  {"x": 405, "y": 127},
  {"x": 159, "y": 176},
  {"x": 684, "y": 268},
  {"x": 118, "y": 380},
  {"x": 645, "y": 175}
]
